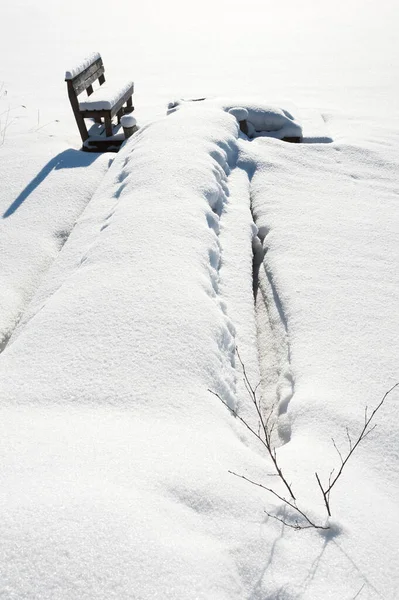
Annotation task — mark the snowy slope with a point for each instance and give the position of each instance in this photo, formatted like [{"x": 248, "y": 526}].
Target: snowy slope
[
  {"x": 147, "y": 343},
  {"x": 137, "y": 357},
  {"x": 40, "y": 201},
  {"x": 125, "y": 304}
]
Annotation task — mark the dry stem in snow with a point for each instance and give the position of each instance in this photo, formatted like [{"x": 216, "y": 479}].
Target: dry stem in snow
[{"x": 264, "y": 435}]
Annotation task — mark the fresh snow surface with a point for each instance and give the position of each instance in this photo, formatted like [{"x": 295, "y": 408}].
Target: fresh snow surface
[
  {"x": 126, "y": 391},
  {"x": 151, "y": 389},
  {"x": 124, "y": 293},
  {"x": 42, "y": 196}
]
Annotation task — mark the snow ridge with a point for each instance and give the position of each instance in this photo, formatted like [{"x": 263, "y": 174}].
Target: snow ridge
[
  {"x": 224, "y": 157},
  {"x": 125, "y": 337}
]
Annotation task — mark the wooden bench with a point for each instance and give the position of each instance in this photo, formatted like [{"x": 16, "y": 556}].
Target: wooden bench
[{"x": 104, "y": 102}]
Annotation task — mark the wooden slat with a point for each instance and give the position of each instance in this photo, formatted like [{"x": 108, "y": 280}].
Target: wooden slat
[
  {"x": 82, "y": 81},
  {"x": 120, "y": 103},
  {"x": 90, "y": 69},
  {"x": 85, "y": 83}
]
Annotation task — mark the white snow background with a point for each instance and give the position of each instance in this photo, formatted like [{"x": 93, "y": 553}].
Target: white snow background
[{"x": 126, "y": 283}]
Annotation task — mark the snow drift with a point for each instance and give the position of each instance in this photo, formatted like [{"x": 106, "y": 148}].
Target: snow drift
[{"x": 115, "y": 456}]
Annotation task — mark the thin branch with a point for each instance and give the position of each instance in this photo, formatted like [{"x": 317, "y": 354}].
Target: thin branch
[
  {"x": 349, "y": 438},
  {"x": 248, "y": 388},
  {"x": 369, "y": 431},
  {"x": 267, "y": 430},
  {"x": 265, "y": 442},
  {"x": 239, "y": 418},
  {"x": 359, "y": 592},
  {"x": 335, "y": 446},
  {"x": 293, "y": 506},
  {"x": 244, "y": 371},
  {"x": 352, "y": 447},
  {"x": 292, "y": 525},
  {"x": 329, "y": 482},
  {"x": 326, "y": 501}
]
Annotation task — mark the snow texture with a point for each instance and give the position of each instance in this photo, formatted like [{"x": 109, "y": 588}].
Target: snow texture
[
  {"x": 40, "y": 202},
  {"x": 126, "y": 288},
  {"x": 123, "y": 404}
]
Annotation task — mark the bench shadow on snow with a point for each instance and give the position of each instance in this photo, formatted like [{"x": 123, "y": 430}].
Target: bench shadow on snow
[{"x": 69, "y": 159}]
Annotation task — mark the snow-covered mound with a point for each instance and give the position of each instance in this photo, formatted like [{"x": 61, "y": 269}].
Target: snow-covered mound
[
  {"x": 262, "y": 120},
  {"x": 115, "y": 456},
  {"x": 269, "y": 121},
  {"x": 121, "y": 466},
  {"x": 41, "y": 198}
]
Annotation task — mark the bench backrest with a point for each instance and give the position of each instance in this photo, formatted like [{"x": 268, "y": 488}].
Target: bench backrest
[{"x": 84, "y": 78}]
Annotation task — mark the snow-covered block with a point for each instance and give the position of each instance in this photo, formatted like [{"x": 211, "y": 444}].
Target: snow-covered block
[
  {"x": 129, "y": 124},
  {"x": 82, "y": 66},
  {"x": 106, "y": 96},
  {"x": 241, "y": 114},
  {"x": 128, "y": 121},
  {"x": 268, "y": 120},
  {"x": 262, "y": 119}
]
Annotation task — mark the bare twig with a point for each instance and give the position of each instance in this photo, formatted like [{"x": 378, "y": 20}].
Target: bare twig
[
  {"x": 349, "y": 438},
  {"x": 295, "y": 525},
  {"x": 336, "y": 447},
  {"x": 239, "y": 418},
  {"x": 265, "y": 436},
  {"x": 288, "y": 502},
  {"x": 352, "y": 447},
  {"x": 359, "y": 592},
  {"x": 7, "y": 124},
  {"x": 265, "y": 426}
]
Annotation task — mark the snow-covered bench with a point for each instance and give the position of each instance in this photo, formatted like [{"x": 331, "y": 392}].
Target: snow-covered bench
[{"x": 104, "y": 102}]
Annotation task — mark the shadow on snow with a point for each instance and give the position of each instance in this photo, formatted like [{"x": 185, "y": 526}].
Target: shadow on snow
[{"x": 69, "y": 159}]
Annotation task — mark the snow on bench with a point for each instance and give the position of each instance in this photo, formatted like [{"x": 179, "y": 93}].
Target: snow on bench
[
  {"x": 106, "y": 102},
  {"x": 85, "y": 64},
  {"x": 105, "y": 97}
]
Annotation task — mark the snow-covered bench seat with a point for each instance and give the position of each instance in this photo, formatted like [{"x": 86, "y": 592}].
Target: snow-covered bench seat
[
  {"x": 104, "y": 102},
  {"x": 106, "y": 96}
]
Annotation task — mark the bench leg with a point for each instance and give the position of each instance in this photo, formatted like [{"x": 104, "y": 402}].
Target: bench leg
[
  {"x": 78, "y": 115},
  {"x": 129, "y": 106},
  {"x": 108, "y": 124},
  {"x": 81, "y": 126},
  {"x": 119, "y": 114},
  {"x": 97, "y": 120}
]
